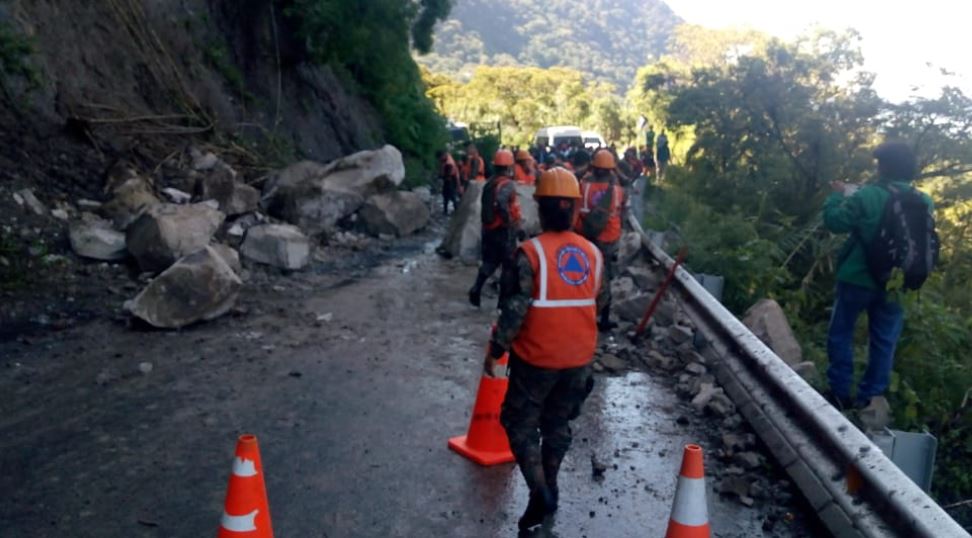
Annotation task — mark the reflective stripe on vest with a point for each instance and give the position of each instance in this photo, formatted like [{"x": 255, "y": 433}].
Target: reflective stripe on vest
[{"x": 542, "y": 301}]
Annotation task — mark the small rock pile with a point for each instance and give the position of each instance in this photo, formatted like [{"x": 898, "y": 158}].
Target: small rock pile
[{"x": 672, "y": 346}]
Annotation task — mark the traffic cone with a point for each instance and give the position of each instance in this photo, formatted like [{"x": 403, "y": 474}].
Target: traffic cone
[
  {"x": 246, "y": 513},
  {"x": 486, "y": 443},
  {"x": 690, "y": 515}
]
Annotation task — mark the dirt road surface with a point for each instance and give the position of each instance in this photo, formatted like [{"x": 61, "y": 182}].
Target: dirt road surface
[{"x": 353, "y": 375}]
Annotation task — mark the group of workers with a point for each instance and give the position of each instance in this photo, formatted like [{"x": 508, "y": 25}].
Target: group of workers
[{"x": 554, "y": 295}]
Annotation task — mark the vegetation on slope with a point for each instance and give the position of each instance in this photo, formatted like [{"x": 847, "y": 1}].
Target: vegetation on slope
[
  {"x": 370, "y": 43},
  {"x": 605, "y": 39}
]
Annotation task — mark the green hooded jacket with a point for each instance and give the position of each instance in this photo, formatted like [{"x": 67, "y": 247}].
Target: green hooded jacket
[{"x": 859, "y": 215}]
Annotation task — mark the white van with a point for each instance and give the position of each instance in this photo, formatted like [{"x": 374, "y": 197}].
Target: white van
[
  {"x": 593, "y": 140},
  {"x": 554, "y": 136}
]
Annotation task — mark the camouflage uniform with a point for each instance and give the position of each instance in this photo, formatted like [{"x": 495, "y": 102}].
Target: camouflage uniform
[
  {"x": 498, "y": 245},
  {"x": 539, "y": 402}
]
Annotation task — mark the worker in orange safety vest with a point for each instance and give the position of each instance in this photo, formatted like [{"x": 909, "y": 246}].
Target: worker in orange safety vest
[
  {"x": 547, "y": 323},
  {"x": 451, "y": 182},
  {"x": 500, "y": 220},
  {"x": 474, "y": 169},
  {"x": 602, "y": 209},
  {"x": 525, "y": 171}
]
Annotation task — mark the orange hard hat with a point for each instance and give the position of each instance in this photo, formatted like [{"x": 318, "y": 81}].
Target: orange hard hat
[
  {"x": 523, "y": 155},
  {"x": 503, "y": 157},
  {"x": 603, "y": 159},
  {"x": 557, "y": 182}
]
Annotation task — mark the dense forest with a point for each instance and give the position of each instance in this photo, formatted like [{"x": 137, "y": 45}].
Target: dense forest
[{"x": 604, "y": 39}]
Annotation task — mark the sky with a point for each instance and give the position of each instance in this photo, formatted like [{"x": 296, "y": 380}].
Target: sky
[{"x": 898, "y": 38}]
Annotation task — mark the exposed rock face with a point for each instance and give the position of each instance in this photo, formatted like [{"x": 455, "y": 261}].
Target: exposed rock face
[
  {"x": 366, "y": 172},
  {"x": 130, "y": 199},
  {"x": 166, "y": 232},
  {"x": 313, "y": 207},
  {"x": 463, "y": 238},
  {"x": 230, "y": 256},
  {"x": 315, "y": 197},
  {"x": 94, "y": 238},
  {"x": 279, "y": 245},
  {"x": 768, "y": 322},
  {"x": 219, "y": 182},
  {"x": 396, "y": 213},
  {"x": 200, "y": 286},
  {"x": 529, "y": 211},
  {"x": 630, "y": 249}
]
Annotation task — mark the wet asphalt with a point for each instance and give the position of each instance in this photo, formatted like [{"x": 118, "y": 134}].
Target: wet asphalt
[{"x": 352, "y": 410}]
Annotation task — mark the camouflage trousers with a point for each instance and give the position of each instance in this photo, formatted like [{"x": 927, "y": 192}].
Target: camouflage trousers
[{"x": 539, "y": 405}]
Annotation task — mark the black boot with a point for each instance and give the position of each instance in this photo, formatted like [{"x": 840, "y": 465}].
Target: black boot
[
  {"x": 541, "y": 501},
  {"x": 541, "y": 504},
  {"x": 474, "y": 296}
]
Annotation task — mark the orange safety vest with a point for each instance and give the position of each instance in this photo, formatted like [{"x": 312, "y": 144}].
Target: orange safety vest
[
  {"x": 591, "y": 192},
  {"x": 560, "y": 328},
  {"x": 449, "y": 176},
  {"x": 467, "y": 169},
  {"x": 523, "y": 175},
  {"x": 491, "y": 199}
]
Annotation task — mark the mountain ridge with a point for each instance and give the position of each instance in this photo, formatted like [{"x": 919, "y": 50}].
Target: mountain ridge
[{"x": 605, "y": 39}]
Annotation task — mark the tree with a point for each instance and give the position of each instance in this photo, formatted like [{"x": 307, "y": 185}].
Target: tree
[{"x": 524, "y": 99}]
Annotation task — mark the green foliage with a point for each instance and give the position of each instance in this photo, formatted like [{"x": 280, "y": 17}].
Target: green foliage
[
  {"x": 524, "y": 99},
  {"x": 218, "y": 55},
  {"x": 369, "y": 43},
  {"x": 605, "y": 39},
  {"x": 13, "y": 271},
  {"x": 15, "y": 51},
  {"x": 719, "y": 243},
  {"x": 770, "y": 130}
]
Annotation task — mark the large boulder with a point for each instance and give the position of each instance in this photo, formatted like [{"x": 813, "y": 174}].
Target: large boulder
[
  {"x": 279, "y": 245},
  {"x": 166, "y": 232},
  {"x": 198, "y": 287},
  {"x": 92, "y": 237},
  {"x": 130, "y": 198},
  {"x": 316, "y": 209},
  {"x": 366, "y": 172},
  {"x": 465, "y": 228},
  {"x": 529, "y": 211},
  {"x": 768, "y": 322},
  {"x": 463, "y": 237},
  {"x": 630, "y": 250},
  {"x": 315, "y": 197},
  {"x": 396, "y": 213}
]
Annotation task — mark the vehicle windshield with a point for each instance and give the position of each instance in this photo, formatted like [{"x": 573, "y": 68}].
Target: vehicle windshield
[{"x": 569, "y": 140}]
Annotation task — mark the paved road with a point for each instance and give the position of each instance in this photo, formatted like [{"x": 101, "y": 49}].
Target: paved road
[{"x": 353, "y": 415}]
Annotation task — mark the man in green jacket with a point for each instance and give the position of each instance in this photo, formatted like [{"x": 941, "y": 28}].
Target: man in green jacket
[{"x": 858, "y": 211}]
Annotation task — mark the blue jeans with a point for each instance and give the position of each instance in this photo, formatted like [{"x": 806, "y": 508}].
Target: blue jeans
[{"x": 885, "y": 320}]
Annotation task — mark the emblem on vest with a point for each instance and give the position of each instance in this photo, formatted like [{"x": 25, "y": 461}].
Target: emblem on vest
[{"x": 573, "y": 266}]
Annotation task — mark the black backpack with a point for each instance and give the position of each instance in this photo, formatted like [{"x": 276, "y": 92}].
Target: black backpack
[{"x": 906, "y": 239}]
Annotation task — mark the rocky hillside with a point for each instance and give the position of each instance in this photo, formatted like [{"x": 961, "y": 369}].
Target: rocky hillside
[
  {"x": 137, "y": 136},
  {"x": 609, "y": 39},
  {"x": 120, "y": 74}
]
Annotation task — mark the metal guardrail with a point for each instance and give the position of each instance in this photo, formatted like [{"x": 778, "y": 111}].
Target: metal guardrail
[{"x": 822, "y": 451}]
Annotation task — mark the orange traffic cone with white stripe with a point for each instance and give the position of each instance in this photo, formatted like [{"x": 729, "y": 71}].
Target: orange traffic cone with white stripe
[
  {"x": 486, "y": 443},
  {"x": 246, "y": 513},
  {"x": 690, "y": 515}
]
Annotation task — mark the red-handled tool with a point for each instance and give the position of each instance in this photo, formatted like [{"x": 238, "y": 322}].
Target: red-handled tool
[{"x": 661, "y": 291}]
